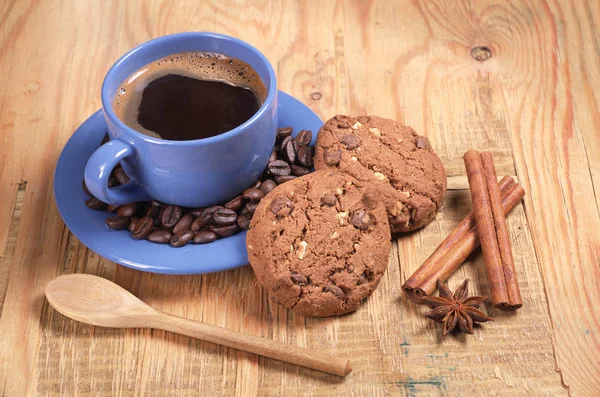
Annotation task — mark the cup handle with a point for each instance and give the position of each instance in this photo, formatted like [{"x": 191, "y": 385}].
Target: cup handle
[{"x": 99, "y": 168}]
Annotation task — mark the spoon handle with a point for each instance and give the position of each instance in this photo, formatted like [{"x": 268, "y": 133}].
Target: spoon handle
[{"x": 253, "y": 344}]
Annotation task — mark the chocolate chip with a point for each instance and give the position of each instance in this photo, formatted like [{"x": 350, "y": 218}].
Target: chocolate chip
[
  {"x": 94, "y": 204},
  {"x": 279, "y": 168},
  {"x": 334, "y": 289},
  {"x": 422, "y": 142},
  {"x": 289, "y": 150},
  {"x": 267, "y": 186},
  {"x": 283, "y": 179},
  {"x": 181, "y": 239},
  {"x": 253, "y": 194},
  {"x": 183, "y": 224},
  {"x": 243, "y": 221},
  {"x": 132, "y": 222},
  {"x": 298, "y": 278},
  {"x": 284, "y": 132},
  {"x": 117, "y": 222},
  {"x": 299, "y": 171},
  {"x": 127, "y": 210},
  {"x": 225, "y": 216},
  {"x": 143, "y": 228},
  {"x": 305, "y": 156},
  {"x": 204, "y": 237},
  {"x": 304, "y": 137},
  {"x": 84, "y": 187},
  {"x": 332, "y": 156},
  {"x": 350, "y": 141},
  {"x": 112, "y": 207},
  {"x": 235, "y": 204},
  {"x": 225, "y": 231},
  {"x": 121, "y": 176},
  {"x": 329, "y": 199},
  {"x": 170, "y": 216},
  {"x": 160, "y": 236},
  {"x": 361, "y": 219},
  {"x": 281, "y": 206},
  {"x": 197, "y": 224}
]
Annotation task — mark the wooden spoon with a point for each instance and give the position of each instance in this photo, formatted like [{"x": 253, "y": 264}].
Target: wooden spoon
[{"x": 97, "y": 301}]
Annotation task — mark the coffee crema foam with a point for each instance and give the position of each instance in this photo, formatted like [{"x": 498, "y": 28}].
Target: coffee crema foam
[{"x": 207, "y": 66}]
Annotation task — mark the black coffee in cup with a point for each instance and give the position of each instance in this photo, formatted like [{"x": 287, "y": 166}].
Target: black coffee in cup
[{"x": 189, "y": 95}]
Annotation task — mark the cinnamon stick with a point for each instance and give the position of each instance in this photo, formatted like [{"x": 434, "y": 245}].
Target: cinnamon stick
[
  {"x": 454, "y": 255},
  {"x": 413, "y": 287},
  {"x": 486, "y": 229},
  {"x": 508, "y": 264}
]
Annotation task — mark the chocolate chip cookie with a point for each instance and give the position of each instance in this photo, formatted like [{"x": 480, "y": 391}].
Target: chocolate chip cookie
[
  {"x": 398, "y": 163},
  {"x": 319, "y": 243}
]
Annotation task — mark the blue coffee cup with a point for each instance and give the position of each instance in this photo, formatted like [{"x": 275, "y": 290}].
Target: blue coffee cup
[{"x": 193, "y": 173}]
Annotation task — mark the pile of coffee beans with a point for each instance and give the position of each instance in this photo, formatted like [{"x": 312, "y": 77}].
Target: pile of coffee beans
[{"x": 171, "y": 224}]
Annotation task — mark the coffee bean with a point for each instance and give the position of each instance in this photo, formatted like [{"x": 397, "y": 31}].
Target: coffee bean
[
  {"x": 121, "y": 176},
  {"x": 208, "y": 213},
  {"x": 251, "y": 207},
  {"x": 204, "y": 237},
  {"x": 170, "y": 216},
  {"x": 181, "y": 239},
  {"x": 282, "y": 179},
  {"x": 143, "y": 228},
  {"x": 197, "y": 224},
  {"x": 274, "y": 156},
  {"x": 329, "y": 199},
  {"x": 281, "y": 206},
  {"x": 299, "y": 171},
  {"x": 304, "y": 137},
  {"x": 156, "y": 203},
  {"x": 243, "y": 221},
  {"x": 332, "y": 156},
  {"x": 279, "y": 168},
  {"x": 267, "y": 186},
  {"x": 361, "y": 219},
  {"x": 154, "y": 213},
  {"x": 225, "y": 216},
  {"x": 253, "y": 194},
  {"x": 257, "y": 185},
  {"x": 112, "y": 207},
  {"x": 143, "y": 208},
  {"x": 350, "y": 141},
  {"x": 127, "y": 210},
  {"x": 284, "y": 132},
  {"x": 235, "y": 204},
  {"x": 112, "y": 182},
  {"x": 196, "y": 211},
  {"x": 84, "y": 187},
  {"x": 132, "y": 222},
  {"x": 285, "y": 141},
  {"x": 305, "y": 156},
  {"x": 277, "y": 147},
  {"x": 183, "y": 224},
  {"x": 117, "y": 222},
  {"x": 94, "y": 204},
  {"x": 160, "y": 236},
  {"x": 289, "y": 151},
  {"x": 246, "y": 212},
  {"x": 298, "y": 278},
  {"x": 225, "y": 231},
  {"x": 334, "y": 289}
]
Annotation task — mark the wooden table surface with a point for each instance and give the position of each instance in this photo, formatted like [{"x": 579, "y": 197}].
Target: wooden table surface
[{"x": 533, "y": 104}]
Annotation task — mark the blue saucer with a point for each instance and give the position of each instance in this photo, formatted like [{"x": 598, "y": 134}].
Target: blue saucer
[{"x": 118, "y": 246}]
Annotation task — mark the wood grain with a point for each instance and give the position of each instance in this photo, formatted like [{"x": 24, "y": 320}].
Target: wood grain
[{"x": 533, "y": 104}]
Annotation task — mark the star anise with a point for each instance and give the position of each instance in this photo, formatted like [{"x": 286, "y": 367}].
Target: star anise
[{"x": 456, "y": 309}]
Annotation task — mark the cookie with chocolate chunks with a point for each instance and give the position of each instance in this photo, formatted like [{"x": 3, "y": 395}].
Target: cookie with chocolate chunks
[
  {"x": 399, "y": 164},
  {"x": 319, "y": 243}
]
